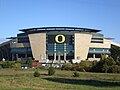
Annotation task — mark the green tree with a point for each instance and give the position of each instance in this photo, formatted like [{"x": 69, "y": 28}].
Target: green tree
[
  {"x": 114, "y": 69},
  {"x": 103, "y": 65},
  {"x": 115, "y": 53},
  {"x": 110, "y": 61},
  {"x": 103, "y": 56},
  {"x": 105, "y": 68}
]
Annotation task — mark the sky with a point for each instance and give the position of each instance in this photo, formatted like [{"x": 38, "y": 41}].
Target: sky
[{"x": 95, "y": 14}]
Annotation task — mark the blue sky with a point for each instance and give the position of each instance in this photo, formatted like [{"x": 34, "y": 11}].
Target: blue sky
[{"x": 97, "y": 14}]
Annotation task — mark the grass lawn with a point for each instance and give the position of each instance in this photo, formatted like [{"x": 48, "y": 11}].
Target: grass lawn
[{"x": 62, "y": 80}]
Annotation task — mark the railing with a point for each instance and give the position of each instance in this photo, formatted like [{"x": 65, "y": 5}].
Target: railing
[{"x": 94, "y": 59}]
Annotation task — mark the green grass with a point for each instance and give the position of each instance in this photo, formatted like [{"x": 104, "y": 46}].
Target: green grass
[{"x": 62, "y": 80}]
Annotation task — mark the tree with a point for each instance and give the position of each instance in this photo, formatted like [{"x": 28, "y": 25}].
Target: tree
[
  {"x": 115, "y": 53},
  {"x": 103, "y": 65},
  {"x": 110, "y": 61},
  {"x": 105, "y": 68},
  {"x": 103, "y": 56}
]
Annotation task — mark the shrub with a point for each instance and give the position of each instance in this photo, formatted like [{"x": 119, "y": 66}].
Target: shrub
[
  {"x": 76, "y": 74},
  {"x": 20, "y": 61},
  {"x": 51, "y": 71},
  {"x": 11, "y": 64},
  {"x": 114, "y": 69},
  {"x": 36, "y": 74},
  {"x": 85, "y": 65},
  {"x": 75, "y": 67},
  {"x": 16, "y": 65},
  {"x": 110, "y": 61},
  {"x": 82, "y": 66},
  {"x": 41, "y": 67},
  {"x": 29, "y": 62},
  {"x": 1, "y": 67},
  {"x": 103, "y": 65},
  {"x": 98, "y": 67},
  {"x": 105, "y": 68},
  {"x": 66, "y": 66},
  {"x": 8, "y": 64}
]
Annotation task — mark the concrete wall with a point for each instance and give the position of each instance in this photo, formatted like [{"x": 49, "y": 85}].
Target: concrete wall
[
  {"x": 38, "y": 45},
  {"x": 81, "y": 46},
  {"x": 106, "y": 44}
]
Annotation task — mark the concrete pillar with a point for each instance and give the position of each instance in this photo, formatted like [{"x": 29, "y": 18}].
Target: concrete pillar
[
  {"x": 59, "y": 57},
  {"x": 13, "y": 57},
  {"x": 65, "y": 57},
  {"x": 93, "y": 55},
  {"x": 16, "y": 56},
  {"x": 46, "y": 56},
  {"x": 26, "y": 56},
  {"x": 54, "y": 56}
]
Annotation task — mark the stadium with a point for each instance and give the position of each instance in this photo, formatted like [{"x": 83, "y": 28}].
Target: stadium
[{"x": 56, "y": 44}]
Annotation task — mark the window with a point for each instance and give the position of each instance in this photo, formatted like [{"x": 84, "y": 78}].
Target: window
[{"x": 97, "y": 40}]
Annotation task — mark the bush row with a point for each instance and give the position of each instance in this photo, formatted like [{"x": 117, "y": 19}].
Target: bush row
[
  {"x": 10, "y": 64},
  {"x": 107, "y": 65},
  {"x": 15, "y": 64},
  {"x": 82, "y": 66}
]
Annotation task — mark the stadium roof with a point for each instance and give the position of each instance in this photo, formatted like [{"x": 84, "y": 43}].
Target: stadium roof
[{"x": 30, "y": 30}]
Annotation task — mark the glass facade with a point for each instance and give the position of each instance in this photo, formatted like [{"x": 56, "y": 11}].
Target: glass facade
[
  {"x": 99, "y": 50},
  {"x": 60, "y": 48},
  {"x": 60, "y": 44},
  {"x": 21, "y": 50},
  {"x": 23, "y": 38},
  {"x": 97, "y": 40}
]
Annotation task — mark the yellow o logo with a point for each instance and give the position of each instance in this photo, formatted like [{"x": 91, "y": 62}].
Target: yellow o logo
[{"x": 62, "y": 38}]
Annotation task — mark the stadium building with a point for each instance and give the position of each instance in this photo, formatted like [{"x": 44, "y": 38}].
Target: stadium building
[{"x": 56, "y": 44}]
